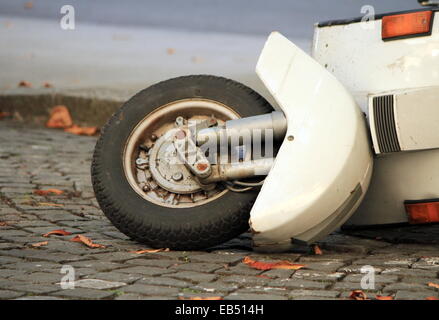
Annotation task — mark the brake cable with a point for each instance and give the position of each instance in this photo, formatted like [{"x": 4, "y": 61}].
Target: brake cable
[{"x": 230, "y": 185}]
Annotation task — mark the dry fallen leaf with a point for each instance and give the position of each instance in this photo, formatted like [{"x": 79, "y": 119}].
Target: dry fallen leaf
[
  {"x": 59, "y": 232},
  {"x": 317, "y": 250},
  {"x": 47, "y": 85},
  {"x": 29, "y": 5},
  {"x": 272, "y": 265},
  {"x": 358, "y": 295},
  {"x": 4, "y": 115},
  {"x": 49, "y": 204},
  {"x": 83, "y": 131},
  {"x": 384, "y": 297},
  {"x": 39, "y": 244},
  {"x": 170, "y": 51},
  {"x": 150, "y": 250},
  {"x": 3, "y": 224},
  {"x": 433, "y": 285},
  {"x": 59, "y": 118},
  {"x": 432, "y": 298},
  {"x": 48, "y": 191},
  {"x": 25, "y": 84},
  {"x": 87, "y": 241}
]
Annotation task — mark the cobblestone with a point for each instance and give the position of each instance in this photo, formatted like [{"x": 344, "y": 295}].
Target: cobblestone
[{"x": 405, "y": 260}]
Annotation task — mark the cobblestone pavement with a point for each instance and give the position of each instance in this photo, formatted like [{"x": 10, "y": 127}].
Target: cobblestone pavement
[{"x": 37, "y": 158}]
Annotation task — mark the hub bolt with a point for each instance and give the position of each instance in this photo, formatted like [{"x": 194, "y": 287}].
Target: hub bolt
[
  {"x": 177, "y": 176},
  {"x": 180, "y": 134}
]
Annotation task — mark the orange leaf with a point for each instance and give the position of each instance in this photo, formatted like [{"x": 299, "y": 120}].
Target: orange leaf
[
  {"x": 39, "y": 244},
  {"x": 358, "y": 295},
  {"x": 59, "y": 232},
  {"x": 3, "y": 224},
  {"x": 59, "y": 118},
  {"x": 170, "y": 51},
  {"x": 47, "y": 85},
  {"x": 270, "y": 265},
  {"x": 434, "y": 285},
  {"x": 4, "y": 115},
  {"x": 83, "y": 131},
  {"x": 47, "y": 191},
  {"x": 432, "y": 298},
  {"x": 150, "y": 250},
  {"x": 384, "y": 297},
  {"x": 317, "y": 250},
  {"x": 29, "y": 5},
  {"x": 25, "y": 84},
  {"x": 87, "y": 241}
]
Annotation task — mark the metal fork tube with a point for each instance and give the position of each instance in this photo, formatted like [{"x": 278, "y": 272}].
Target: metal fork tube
[{"x": 275, "y": 121}]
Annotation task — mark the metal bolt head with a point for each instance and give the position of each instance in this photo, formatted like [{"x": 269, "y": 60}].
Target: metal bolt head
[
  {"x": 177, "y": 176},
  {"x": 180, "y": 134},
  {"x": 140, "y": 161},
  {"x": 179, "y": 121}
]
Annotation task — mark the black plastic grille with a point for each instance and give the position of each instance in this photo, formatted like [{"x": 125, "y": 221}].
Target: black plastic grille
[{"x": 385, "y": 124}]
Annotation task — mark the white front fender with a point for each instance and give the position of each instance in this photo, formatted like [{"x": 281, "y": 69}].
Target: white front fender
[{"x": 323, "y": 167}]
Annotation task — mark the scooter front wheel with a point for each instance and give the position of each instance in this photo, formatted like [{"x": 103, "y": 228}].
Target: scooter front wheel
[{"x": 142, "y": 194}]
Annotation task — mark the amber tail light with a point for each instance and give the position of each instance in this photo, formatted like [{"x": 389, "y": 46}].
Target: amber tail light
[
  {"x": 406, "y": 25},
  {"x": 424, "y": 211}
]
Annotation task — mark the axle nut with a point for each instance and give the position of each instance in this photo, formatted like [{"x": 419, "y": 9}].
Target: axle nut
[
  {"x": 180, "y": 134},
  {"x": 177, "y": 176}
]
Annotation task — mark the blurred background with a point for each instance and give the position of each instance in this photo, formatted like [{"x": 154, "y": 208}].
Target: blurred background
[{"x": 127, "y": 45}]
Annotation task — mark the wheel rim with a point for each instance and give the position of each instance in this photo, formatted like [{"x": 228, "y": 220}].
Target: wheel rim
[{"x": 144, "y": 141}]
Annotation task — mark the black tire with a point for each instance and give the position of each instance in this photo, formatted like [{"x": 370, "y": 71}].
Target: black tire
[{"x": 157, "y": 226}]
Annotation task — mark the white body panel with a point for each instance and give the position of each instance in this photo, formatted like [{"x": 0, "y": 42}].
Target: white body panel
[
  {"x": 365, "y": 64},
  {"x": 368, "y": 66},
  {"x": 397, "y": 177},
  {"x": 319, "y": 176},
  {"x": 414, "y": 119},
  {"x": 417, "y": 119}
]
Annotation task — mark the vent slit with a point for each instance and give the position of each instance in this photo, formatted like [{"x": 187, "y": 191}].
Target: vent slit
[{"x": 385, "y": 124}]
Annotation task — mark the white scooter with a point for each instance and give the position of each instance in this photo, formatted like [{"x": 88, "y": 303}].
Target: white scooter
[{"x": 194, "y": 161}]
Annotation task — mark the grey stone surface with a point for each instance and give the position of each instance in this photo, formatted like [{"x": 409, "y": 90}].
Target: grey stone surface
[
  {"x": 350, "y": 286},
  {"x": 414, "y": 295},
  {"x": 214, "y": 287},
  {"x": 151, "y": 290},
  {"x": 407, "y": 287},
  {"x": 194, "y": 276},
  {"x": 314, "y": 293},
  {"x": 84, "y": 294},
  {"x": 98, "y": 284},
  {"x": 8, "y": 294},
  {"x": 165, "y": 281},
  {"x": 253, "y": 296},
  {"x": 34, "y": 157},
  {"x": 299, "y": 284}
]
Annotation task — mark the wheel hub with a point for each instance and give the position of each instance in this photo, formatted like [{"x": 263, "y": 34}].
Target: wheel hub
[
  {"x": 150, "y": 159},
  {"x": 168, "y": 171}
]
